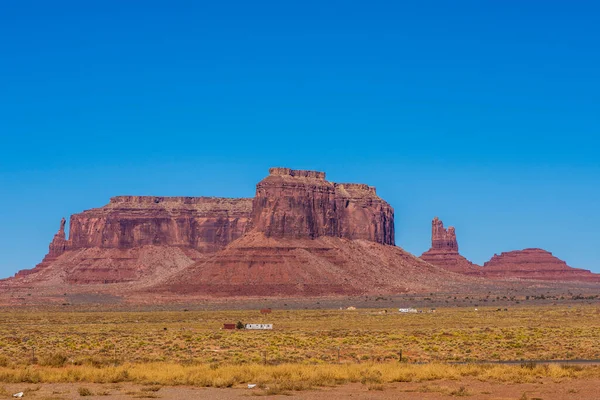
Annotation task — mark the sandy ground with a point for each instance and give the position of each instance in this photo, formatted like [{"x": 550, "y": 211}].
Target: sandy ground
[{"x": 588, "y": 389}]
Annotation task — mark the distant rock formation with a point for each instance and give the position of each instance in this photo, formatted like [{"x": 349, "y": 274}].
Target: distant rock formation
[
  {"x": 206, "y": 224},
  {"x": 104, "y": 243},
  {"x": 444, "y": 250},
  {"x": 301, "y": 235},
  {"x": 310, "y": 237},
  {"x": 524, "y": 264},
  {"x": 57, "y": 247},
  {"x": 534, "y": 264},
  {"x": 256, "y": 265},
  {"x": 302, "y": 204},
  {"x": 135, "y": 238}
]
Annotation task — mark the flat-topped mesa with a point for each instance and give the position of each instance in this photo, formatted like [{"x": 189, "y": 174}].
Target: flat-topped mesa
[
  {"x": 199, "y": 205},
  {"x": 105, "y": 242},
  {"x": 206, "y": 224},
  {"x": 355, "y": 190},
  {"x": 444, "y": 250},
  {"x": 296, "y": 173},
  {"x": 302, "y": 204},
  {"x": 534, "y": 263}
]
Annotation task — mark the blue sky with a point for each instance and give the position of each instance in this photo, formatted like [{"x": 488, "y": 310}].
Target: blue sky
[{"x": 486, "y": 114}]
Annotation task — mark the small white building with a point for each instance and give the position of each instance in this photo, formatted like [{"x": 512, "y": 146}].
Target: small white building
[
  {"x": 408, "y": 310},
  {"x": 259, "y": 326}
]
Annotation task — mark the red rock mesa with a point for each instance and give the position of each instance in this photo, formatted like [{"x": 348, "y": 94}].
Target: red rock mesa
[
  {"x": 302, "y": 204},
  {"x": 534, "y": 264},
  {"x": 311, "y": 237},
  {"x": 300, "y": 235}
]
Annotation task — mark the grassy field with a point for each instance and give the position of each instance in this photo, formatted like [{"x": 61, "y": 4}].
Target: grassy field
[{"x": 318, "y": 347}]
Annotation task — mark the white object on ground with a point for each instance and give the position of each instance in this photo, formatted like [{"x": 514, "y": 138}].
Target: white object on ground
[
  {"x": 20, "y": 394},
  {"x": 251, "y": 385}
]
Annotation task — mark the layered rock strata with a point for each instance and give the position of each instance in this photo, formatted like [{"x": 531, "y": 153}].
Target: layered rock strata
[
  {"x": 203, "y": 223},
  {"x": 444, "y": 250},
  {"x": 57, "y": 247},
  {"x": 199, "y": 224},
  {"x": 534, "y": 264},
  {"x": 118, "y": 242},
  {"x": 302, "y": 204},
  {"x": 256, "y": 265}
]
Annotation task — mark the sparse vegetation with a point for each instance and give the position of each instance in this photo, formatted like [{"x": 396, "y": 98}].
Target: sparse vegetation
[
  {"x": 287, "y": 377},
  {"x": 83, "y": 391},
  {"x": 176, "y": 348}
]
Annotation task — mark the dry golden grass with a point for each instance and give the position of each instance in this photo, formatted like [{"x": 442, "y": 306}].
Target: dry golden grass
[
  {"x": 288, "y": 376},
  {"x": 180, "y": 348},
  {"x": 300, "y": 336}
]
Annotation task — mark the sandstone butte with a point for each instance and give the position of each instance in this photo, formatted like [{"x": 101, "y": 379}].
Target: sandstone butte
[
  {"x": 534, "y": 264},
  {"x": 522, "y": 264},
  {"x": 301, "y": 235},
  {"x": 444, "y": 250}
]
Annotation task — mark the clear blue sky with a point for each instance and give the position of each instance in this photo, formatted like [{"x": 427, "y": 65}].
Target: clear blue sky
[{"x": 485, "y": 113}]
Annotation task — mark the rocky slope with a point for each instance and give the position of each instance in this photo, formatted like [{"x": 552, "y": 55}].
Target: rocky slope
[
  {"x": 111, "y": 244},
  {"x": 312, "y": 237},
  {"x": 301, "y": 234},
  {"x": 534, "y": 264},
  {"x": 444, "y": 251},
  {"x": 256, "y": 265}
]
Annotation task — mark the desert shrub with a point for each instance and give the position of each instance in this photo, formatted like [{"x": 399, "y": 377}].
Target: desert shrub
[
  {"x": 53, "y": 360},
  {"x": 528, "y": 365},
  {"x": 462, "y": 391},
  {"x": 83, "y": 391}
]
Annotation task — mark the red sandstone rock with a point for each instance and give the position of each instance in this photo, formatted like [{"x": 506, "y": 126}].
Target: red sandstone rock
[
  {"x": 56, "y": 248},
  {"x": 59, "y": 242},
  {"x": 144, "y": 265},
  {"x": 362, "y": 214},
  {"x": 203, "y": 223},
  {"x": 256, "y": 265},
  {"x": 105, "y": 243},
  {"x": 444, "y": 250},
  {"x": 311, "y": 237},
  {"x": 300, "y": 235},
  {"x": 534, "y": 264},
  {"x": 302, "y": 204}
]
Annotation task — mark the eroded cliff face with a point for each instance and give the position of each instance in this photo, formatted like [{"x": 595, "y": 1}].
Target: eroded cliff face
[
  {"x": 57, "y": 247},
  {"x": 302, "y": 204},
  {"x": 115, "y": 243},
  {"x": 361, "y": 214},
  {"x": 444, "y": 250},
  {"x": 294, "y": 204},
  {"x": 534, "y": 264},
  {"x": 206, "y": 224},
  {"x": 523, "y": 264}
]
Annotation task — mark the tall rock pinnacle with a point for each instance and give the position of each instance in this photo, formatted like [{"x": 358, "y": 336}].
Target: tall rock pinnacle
[{"x": 444, "y": 250}]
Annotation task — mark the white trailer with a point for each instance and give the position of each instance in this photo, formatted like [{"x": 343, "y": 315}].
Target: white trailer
[
  {"x": 407, "y": 310},
  {"x": 259, "y": 326}
]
